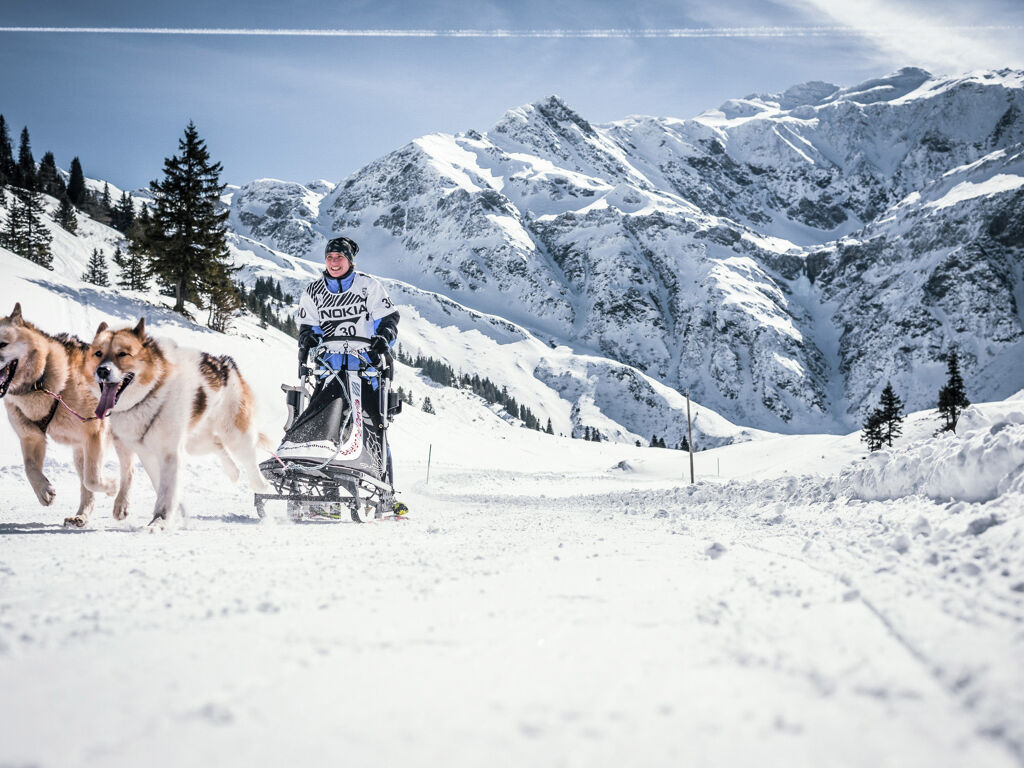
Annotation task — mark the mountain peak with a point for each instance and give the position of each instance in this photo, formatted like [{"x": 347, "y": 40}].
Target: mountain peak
[
  {"x": 888, "y": 88},
  {"x": 809, "y": 94},
  {"x": 552, "y": 113}
]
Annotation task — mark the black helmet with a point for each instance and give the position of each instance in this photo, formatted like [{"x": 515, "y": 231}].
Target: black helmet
[{"x": 342, "y": 245}]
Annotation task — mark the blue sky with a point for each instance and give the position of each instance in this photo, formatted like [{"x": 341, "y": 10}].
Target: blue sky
[{"x": 306, "y": 107}]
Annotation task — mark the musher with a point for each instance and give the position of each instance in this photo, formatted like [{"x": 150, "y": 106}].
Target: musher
[{"x": 344, "y": 302}]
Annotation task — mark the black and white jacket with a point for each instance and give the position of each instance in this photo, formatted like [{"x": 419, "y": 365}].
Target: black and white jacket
[{"x": 354, "y": 305}]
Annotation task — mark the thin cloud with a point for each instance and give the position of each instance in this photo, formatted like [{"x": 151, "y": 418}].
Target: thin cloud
[{"x": 882, "y": 32}]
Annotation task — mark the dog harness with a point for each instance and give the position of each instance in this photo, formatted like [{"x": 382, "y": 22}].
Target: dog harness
[{"x": 44, "y": 423}]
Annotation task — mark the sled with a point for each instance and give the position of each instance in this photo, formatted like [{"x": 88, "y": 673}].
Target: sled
[{"x": 344, "y": 471}]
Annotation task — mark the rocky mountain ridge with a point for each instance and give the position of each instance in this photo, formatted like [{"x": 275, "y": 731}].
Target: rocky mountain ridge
[{"x": 782, "y": 256}]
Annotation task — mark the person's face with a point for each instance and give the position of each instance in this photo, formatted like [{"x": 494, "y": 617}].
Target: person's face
[{"x": 337, "y": 263}]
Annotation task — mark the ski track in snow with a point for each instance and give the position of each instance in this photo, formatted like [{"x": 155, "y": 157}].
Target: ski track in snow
[{"x": 717, "y": 624}]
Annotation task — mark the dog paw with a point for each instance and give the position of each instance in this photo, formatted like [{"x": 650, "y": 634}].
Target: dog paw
[
  {"x": 120, "y": 509},
  {"x": 156, "y": 525},
  {"x": 78, "y": 521},
  {"x": 46, "y": 495}
]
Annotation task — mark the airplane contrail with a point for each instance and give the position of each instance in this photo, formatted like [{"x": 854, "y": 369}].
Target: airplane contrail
[{"x": 694, "y": 32}]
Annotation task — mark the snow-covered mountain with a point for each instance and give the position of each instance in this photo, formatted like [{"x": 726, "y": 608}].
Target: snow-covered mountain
[
  {"x": 574, "y": 391},
  {"x": 782, "y": 256}
]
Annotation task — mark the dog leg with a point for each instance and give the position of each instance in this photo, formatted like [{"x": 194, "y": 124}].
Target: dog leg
[
  {"x": 150, "y": 463},
  {"x": 167, "y": 490},
  {"x": 94, "y": 466},
  {"x": 33, "y": 448},
  {"x": 226, "y": 462},
  {"x": 87, "y": 496},
  {"x": 127, "y": 461},
  {"x": 244, "y": 448}
]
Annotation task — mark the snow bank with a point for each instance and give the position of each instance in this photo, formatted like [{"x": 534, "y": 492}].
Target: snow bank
[{"x": 985, "y": 459}]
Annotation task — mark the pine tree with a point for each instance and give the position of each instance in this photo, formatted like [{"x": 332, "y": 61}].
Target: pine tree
[
  {"x": 952, "y": 397},
  {"x": 428, "y": 407},
  {"x": 873, "y": 431},
  {"x": 891, "y": 407},
  {"x": 7, "y": 165},
  {"x": 49, "y": 180},
  {"x": 549, "y": 429},
  {"x": 132, "y": 276},
  {"x": 25, "y": 234},
  {"x": 13, "y": 236},
  {"x": 132, "y": 273},
  {"x": 187, "y": 240},
  {"x": 26, "y": 171},
  {"x": 143, "y": 222},
  {"x": 291, "y": 327},
  {"x": 39, "y": 237},
  {"x": 224, "y": 299},
  {"x": 684, "y": 445},
  {"x": 654, "y": 441},
  {"x": 106, "y": 205},
  {"x": 76, "y": 184},
  {"x": 123, "y": 214},
  {"x": 66, "y": 215},
  {"x": 96, "y": 270}
]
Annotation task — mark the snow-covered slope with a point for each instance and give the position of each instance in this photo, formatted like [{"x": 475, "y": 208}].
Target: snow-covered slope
[
  {"x": 796, "y": 604},
  {"x": 720, "y": 253},
  {"x": 575, "y": 392}
]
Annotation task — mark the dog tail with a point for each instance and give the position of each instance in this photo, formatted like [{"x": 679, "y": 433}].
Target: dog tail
[{"x": 263, "y": 441}]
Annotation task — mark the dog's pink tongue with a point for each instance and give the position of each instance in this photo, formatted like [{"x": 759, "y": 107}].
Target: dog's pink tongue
[{"x": 108, "y": 395}]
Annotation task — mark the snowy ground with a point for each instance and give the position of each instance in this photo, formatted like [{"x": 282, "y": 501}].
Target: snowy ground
[
  {"x": 606, "y": 621},
  {"x": 547, "y": 602}
]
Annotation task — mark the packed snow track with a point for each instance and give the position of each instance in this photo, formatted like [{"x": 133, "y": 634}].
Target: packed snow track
[{"x": 739, "y": 624}]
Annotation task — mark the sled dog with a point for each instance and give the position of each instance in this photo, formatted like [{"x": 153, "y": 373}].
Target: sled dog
[
  {"x": 161, "y": 400},
  {"x": 35, "y": 368}
]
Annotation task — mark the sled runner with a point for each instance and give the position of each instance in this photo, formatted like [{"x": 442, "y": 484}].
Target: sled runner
[{"x": 334, "y": 462}]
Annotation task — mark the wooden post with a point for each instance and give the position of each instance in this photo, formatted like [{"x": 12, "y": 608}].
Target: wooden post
[
  {"x": 430, "y": 452},
  {"x": 689, "y": 432}
]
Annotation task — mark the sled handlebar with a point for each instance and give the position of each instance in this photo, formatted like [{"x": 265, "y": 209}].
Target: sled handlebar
[
  {"x": 328, "y": 339},
  {"x": 304, "y": 369}
]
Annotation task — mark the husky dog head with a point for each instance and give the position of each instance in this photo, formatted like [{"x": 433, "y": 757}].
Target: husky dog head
[
  {"x": 15, "y": 346},
  {"x": 115, "y": 359}
]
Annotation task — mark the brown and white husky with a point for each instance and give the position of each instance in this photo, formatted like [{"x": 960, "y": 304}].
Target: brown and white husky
[
  {"x": 161, "y": 400},
  {"x": 35, "y": 368}
]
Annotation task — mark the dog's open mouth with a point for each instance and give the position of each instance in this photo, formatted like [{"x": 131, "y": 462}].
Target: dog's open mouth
[
  {"x": 7, "y": 376},
  {"x": 109, "y": 393}
]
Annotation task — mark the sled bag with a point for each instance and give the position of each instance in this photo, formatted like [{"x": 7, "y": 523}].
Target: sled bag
[{"x": 323, "y": 417}]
